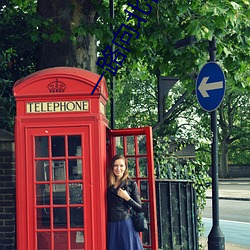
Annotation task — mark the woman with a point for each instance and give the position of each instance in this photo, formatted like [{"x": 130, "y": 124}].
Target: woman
[{"x": 122, "y": 195}]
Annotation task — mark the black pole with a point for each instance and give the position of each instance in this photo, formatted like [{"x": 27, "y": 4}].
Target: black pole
[
  {"x": 112, "y": 82},
  {"x": 160, "y": 108},
  {"x": 216, "y": 240}
]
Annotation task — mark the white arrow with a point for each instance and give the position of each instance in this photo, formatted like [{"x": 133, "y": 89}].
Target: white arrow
[{"x": 204, "y": 86}]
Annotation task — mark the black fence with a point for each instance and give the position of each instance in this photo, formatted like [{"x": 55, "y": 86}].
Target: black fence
[{"x": 176, "y": 211}]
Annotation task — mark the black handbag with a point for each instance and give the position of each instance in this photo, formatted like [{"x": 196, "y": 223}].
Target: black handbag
[{"x": 140, "y": 222}]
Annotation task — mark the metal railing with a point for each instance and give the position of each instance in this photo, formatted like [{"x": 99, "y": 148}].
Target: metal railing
[{"x": 176, "y": 211}]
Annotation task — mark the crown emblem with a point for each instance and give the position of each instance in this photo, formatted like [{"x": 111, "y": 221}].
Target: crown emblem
[{"x": 56, "y": 86}]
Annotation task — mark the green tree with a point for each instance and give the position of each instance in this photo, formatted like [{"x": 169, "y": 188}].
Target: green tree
[
  {"x": 234, "y": 117},
  {"x": 68, "y": 37}
]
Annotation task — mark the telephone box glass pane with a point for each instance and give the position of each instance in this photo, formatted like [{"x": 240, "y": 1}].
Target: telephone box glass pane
[
  {"x": 46, "y": 194},
  {"x": 74, "y": 145},
  {"x": 76, "y": 217},
  {"x": 77, "y": 240},
  {"x": 58, "y": 171},
  {"x": 119, "y": 145},
  {"x": 60, "y": 217},
  {"x": 75, "y": 193},
  {"x": 142, "y": 144},
  {"x": 42, "y": 170},
  {"x": 144, "y": 190},
  {"x": 146, "y": 210},
  {"x": 41, "y": 146},
  {"x": 58, "y": 146},
  {"x": 75, "y": 169},
  {"x": 143, "y": 164},
  {"x": 130, "y": 145},
  {"x": 43, "y": 218},
  {"x": 43, "y": 241},
  {"x": 61, "y": 240},
  {"x": 59, "y": 194},
  {"x": 40, "y": 194},
  {"x": 146, "y": 237},
  {"x": 131, "y": 167}
]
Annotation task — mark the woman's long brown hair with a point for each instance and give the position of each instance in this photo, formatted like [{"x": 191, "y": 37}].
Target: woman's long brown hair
[{"x": 111, "y": 175}]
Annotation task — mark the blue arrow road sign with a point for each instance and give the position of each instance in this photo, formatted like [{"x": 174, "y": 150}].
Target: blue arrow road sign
[{"x": 210, "y": 86}]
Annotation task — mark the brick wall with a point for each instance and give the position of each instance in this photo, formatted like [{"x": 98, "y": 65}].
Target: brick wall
[{"x": 7, "y": 191}]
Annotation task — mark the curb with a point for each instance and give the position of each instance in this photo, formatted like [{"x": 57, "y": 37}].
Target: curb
[
  {"x": 243, "y": 179},
  {"x": 230, "y": 198}
]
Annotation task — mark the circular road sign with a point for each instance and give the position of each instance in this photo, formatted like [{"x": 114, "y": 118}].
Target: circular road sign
[{"x": 210, "y": 86}]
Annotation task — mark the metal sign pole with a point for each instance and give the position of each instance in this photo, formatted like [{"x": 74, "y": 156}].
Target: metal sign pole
[{"x": 216, "y": 240}]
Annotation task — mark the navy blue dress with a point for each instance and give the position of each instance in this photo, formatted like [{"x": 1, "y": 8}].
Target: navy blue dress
[{"x": 121, "y": 231}]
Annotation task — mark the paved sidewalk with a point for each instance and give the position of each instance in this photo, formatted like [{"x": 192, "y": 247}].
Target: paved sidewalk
[
  {"x": 230, "y": 194},
  {"x": 228, "y": 246}
]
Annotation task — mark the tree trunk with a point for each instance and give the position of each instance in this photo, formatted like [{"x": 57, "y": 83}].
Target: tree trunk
[
  {"x": 73, "y": 50},
  {"x": 223, "y": 166}
]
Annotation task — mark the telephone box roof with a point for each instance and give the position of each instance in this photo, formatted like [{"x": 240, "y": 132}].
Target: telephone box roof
[{"x": 37, "y": 83}]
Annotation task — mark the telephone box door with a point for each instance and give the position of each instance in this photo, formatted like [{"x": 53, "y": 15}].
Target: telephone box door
[
  {"x": 59, "y": 188},
  {"x": 136, "y": 145}
]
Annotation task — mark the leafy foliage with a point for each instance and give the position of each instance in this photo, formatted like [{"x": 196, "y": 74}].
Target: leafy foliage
[
  {"x": 172, "y": 167},
  {"x": 17, "y": 54},
  {"x": 154, "y": 53}
]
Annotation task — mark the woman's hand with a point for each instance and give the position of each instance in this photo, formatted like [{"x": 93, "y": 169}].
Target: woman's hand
[{"x": 123, "y": 194}]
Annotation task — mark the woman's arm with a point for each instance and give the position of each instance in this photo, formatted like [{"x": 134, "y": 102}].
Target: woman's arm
[{"x": 133, "y": 200}]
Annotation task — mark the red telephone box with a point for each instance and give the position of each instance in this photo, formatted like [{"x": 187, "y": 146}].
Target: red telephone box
[{"x": 62, "y": 150}]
